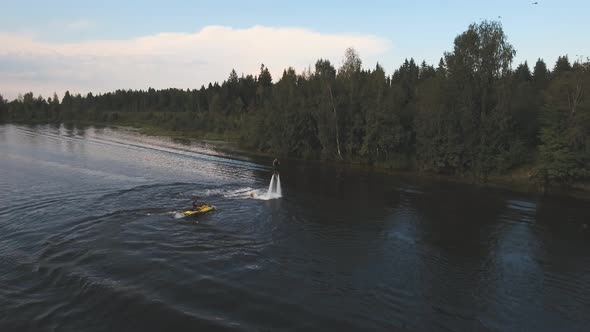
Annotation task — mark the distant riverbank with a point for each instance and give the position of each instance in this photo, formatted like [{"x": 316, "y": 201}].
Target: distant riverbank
[{"x": 521, "y": 179}]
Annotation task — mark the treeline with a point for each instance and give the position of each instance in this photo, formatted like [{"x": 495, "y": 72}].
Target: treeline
[{"x": 472, "y": 114}]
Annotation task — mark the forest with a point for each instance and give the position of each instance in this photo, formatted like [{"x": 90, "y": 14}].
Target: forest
[{"x": 474, "y": 114}]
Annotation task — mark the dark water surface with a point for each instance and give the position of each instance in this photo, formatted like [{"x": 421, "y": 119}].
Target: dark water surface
[{"x": 90, "y": 241}]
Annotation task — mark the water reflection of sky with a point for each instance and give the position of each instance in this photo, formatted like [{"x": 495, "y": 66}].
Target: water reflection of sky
[
  {"x": 99, "y": 149},
  {"x": 514, "y": 281}
]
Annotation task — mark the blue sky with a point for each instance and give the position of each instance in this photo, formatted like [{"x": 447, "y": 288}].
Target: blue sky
[{"x": 419, "y": 29}]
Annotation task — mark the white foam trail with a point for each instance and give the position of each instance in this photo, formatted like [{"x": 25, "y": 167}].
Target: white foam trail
[
  {"x": 274, "y": 191},
  {"x": 242, "y": 192},
  {"x": 178, "y": 215},
  {"x": 161, "y": 214},
  {"x": 233, "y": 193}
]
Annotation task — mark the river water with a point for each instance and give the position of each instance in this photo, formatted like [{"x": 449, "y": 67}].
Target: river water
[{"x": 91, "y": 240}]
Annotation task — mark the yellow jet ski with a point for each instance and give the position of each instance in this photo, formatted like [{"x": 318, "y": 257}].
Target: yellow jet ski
[{"x": 199, "y": 210}]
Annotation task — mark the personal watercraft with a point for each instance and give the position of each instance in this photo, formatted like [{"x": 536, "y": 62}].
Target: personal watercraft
[{"x": 199, "y": 210}]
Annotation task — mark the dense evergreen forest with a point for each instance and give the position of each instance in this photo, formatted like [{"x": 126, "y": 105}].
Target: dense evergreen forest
[{"x": 472, "y": 114}]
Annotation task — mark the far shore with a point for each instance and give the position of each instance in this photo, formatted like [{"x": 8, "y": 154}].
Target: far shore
[{"x": 518, "y": 180}]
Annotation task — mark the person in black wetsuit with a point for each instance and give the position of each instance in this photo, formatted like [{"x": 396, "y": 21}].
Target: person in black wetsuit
[{"x": 276, "y": 164}]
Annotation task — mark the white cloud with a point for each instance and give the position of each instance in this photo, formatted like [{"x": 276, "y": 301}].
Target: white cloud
[
  {"x": 80, "y": 24},
  {"x": 181, "y": 60}
]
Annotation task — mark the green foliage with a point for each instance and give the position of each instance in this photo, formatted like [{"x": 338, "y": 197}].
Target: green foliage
[
  {"x": 562, "y": 65},
  {"x": 540, "y": 75},
  {"x": 464, "y": 123},
  {"x": 565, "y": 137},
  {"x": 3, "y": 109}
]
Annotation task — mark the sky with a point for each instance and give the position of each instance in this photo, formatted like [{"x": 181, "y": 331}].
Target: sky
[{"x": 101, "y": 46}]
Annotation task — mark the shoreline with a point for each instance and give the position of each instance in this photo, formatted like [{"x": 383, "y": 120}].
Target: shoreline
[{"x": 516, "y": 181}]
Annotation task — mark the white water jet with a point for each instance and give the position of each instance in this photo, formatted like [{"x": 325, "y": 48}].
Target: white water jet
[
  {"x": 278, "y": 189},
  {"x": 271, "y": 185},
  {"x": 274, "y": 188}
]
